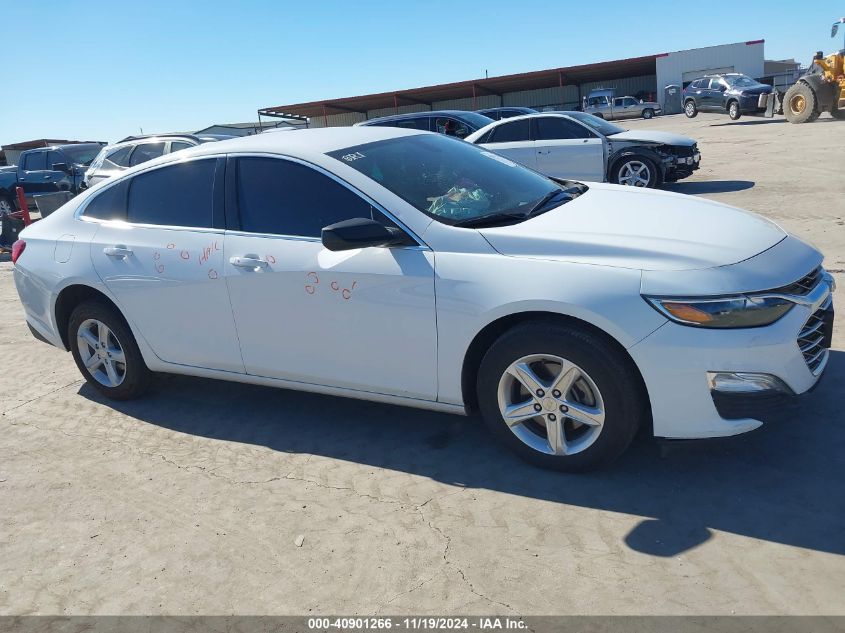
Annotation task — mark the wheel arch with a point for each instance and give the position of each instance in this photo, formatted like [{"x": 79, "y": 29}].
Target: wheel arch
[
  {"x": 70, "y": 297},
  {"x": 496, "y": 328},
  {"x": 637, "y": 150}
]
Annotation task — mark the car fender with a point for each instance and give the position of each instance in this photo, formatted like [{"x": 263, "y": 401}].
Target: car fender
[{"x": 639, "y": 150}]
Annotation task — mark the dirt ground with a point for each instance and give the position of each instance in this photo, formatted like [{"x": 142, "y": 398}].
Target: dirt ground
[{"x": 218, "y": 498}]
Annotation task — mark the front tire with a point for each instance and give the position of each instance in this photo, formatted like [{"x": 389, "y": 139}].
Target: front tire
[
  {"x": 733, "y": 111},
  {"x": 635, "y": 171},
  {"x": 105, "y": 351},
  {"x": 800, "y": 104},
  {"x": 560, "y": 396},
  {"x": 690, "y": 109},
  {"x": 648, "y": 113}
]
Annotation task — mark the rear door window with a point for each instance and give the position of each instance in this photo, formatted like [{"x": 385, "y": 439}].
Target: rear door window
[
  {"x": 176, "y": 195},
  {"x": 175, "y": 146},
  {"x": 145, "y": 152},
  {"x": 419, "y": 123},
  {"x": 35, "y": 161},
  {"x": 511, "y": 132},
  {"x": 109, "y": 204}
]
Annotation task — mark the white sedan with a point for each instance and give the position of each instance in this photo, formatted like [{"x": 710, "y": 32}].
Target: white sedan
[
  {"x": 416, "y": 269},
  {"x": 585, "y": 147}
]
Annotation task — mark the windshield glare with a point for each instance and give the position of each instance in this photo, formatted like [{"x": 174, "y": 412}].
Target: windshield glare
[
  {"x": 83, "y": 155},
  {"x": 741, "y": 81},
  {"x": 446, "y": 178},
  {"x": 597, "y": 123}
]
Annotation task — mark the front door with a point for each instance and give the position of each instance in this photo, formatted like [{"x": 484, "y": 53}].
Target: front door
[
  {"x": 362, "y": 319},
  {"x": 566, "y": 149},
  {"x": 163, "y": 262}
]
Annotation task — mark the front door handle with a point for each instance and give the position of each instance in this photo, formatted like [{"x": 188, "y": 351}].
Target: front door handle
[
  {"x": 248, "y": 261},
  {"x": 120, "y": 251}
]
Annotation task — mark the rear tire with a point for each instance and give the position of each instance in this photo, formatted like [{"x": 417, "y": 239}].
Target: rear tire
[
  {"x": 648, "y": 113},
  {"x": 690, "y": 109},
  {"x": 105, "y": 351},
  {"x": 733, "y": 111},
  {"x": 800, "y": 104},
  {"x": 602, "y": 390}
]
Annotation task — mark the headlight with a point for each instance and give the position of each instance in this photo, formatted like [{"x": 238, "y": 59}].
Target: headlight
[{"x": 726, "y": 312}]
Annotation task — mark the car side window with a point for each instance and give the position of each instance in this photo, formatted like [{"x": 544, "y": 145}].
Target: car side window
[
  {"x": 176, "y": 195},
  {"x": 618, "y": 102},
  {"x": 108, "y": 204},
  {"x": 629, "y": 101},
  {"x": 451, "y": 127},
  {"x": 715, "y": 84},
  {"x": 557, "y": 128},
  {"x": 511, "y": 132},
  {"x": 145, "y": 152},
  {"x": 120, "y": 157},
  {"x": 419, "y": 123},
  {"x": 283, "y": 197},
  {"x": 175, "y": 146},
  {"x": 35, "y": 161}
]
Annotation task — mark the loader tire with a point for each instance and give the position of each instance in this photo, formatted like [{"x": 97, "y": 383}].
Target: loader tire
[{"x": 800, "y": 104}]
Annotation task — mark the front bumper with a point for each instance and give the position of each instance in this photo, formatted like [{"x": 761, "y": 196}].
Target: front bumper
[{"x": 677, "y": 363}]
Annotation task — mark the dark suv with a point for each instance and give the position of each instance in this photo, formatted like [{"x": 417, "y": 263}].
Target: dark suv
[
  {"x": 733, "y": 93},
  {"x": 458, "y": 123}
]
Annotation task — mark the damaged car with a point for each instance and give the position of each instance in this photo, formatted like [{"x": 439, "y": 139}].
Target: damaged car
[{"x": 580, "y": 146}]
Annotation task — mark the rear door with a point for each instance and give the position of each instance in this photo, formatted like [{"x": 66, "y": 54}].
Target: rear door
[
  {"x": 513, "y": 139},
  {"x": 162, "y": 260},
  {"x": 567, "y": 149},
  {"x": 33, "y": 174}
]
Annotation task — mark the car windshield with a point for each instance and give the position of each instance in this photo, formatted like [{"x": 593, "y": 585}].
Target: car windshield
[
  {"x": 83, "y": 154},
  {"x": 740, "y": 81},
  {"x": 450, "y": 180},
  {"x": 597, "y": 123}
]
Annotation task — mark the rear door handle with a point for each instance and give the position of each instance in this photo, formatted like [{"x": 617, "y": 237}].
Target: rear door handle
[
  {"x": 248, "y": 261},
  {"x": 121, "y": 252}
]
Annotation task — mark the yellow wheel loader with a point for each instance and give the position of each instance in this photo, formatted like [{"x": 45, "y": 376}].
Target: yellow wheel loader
[{"x": 822, "y": 89}]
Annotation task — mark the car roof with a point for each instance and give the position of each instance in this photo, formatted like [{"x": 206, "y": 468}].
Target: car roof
[{"x": 413, "y": 115}]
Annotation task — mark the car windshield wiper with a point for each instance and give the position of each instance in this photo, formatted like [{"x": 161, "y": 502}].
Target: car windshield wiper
[
  {"x": 491, "y": 218},
  {"x": 547, "y": 199}
]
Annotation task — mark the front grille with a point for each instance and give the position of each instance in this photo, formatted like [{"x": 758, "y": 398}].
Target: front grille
[
  {"x": 814, "y": 338},
  {"x": 683, "y": 151},
  {"x": 803, "y": 286}
]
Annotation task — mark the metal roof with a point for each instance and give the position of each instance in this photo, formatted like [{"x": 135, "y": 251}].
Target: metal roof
[{"x": 568, "y": 75}]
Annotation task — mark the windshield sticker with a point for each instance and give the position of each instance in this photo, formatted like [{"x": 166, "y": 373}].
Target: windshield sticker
[{"x": 352, "y": 157}]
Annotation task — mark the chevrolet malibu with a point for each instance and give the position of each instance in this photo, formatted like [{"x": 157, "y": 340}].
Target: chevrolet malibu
[{"x": 413, "y": 268}]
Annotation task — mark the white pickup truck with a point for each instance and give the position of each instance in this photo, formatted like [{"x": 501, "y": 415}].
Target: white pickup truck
[{"x": 605, "y": 104}]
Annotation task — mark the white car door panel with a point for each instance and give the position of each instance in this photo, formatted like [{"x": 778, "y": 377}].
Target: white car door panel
[
  {"x": 361, "y": 319},
  {"x": 171, "y": 283},
  {"x": 579, "y": 159}
]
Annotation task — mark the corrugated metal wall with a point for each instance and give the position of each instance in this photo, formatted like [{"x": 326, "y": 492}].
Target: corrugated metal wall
[
  {"x": 743, "y": 57},
  {"x": 565, "y": 98}
]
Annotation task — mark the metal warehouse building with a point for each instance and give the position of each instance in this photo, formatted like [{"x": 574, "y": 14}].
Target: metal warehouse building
[{"x": 556, "y": 88}]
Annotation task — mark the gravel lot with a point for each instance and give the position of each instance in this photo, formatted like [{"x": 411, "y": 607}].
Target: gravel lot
[{"x": 194, "y": 499}]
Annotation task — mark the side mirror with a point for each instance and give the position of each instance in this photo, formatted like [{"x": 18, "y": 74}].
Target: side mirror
[
  {"x": 61, "y": 167},
  {"x": 359, "y": 233}
]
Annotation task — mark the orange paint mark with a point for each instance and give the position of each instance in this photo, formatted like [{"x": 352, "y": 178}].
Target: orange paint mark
[
  {"x": 185, "y": 255},
  {"x": 212, "y": 274},
  {"x": 270, "y": 259},
  {"x": 310, "y": 289},
  {"x": 156, "y": 256},
  {"x": 171, "y": 245},
  {"x": 159, "y": 268}
]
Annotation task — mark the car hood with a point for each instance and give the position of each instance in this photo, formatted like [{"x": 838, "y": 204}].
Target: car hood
[
  {"x": 653, "y": 136},
  {"x": 641, "y": 229}
]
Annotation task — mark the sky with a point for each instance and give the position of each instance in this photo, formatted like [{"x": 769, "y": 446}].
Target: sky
[{"x": 102, "y": 70}]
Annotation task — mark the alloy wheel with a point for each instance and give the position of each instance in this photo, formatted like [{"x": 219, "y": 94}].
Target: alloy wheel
[
  {"x": 551, "y": 404},
  {"x": 634, "y": 173},
  {"x": 101, "y": 353}
]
